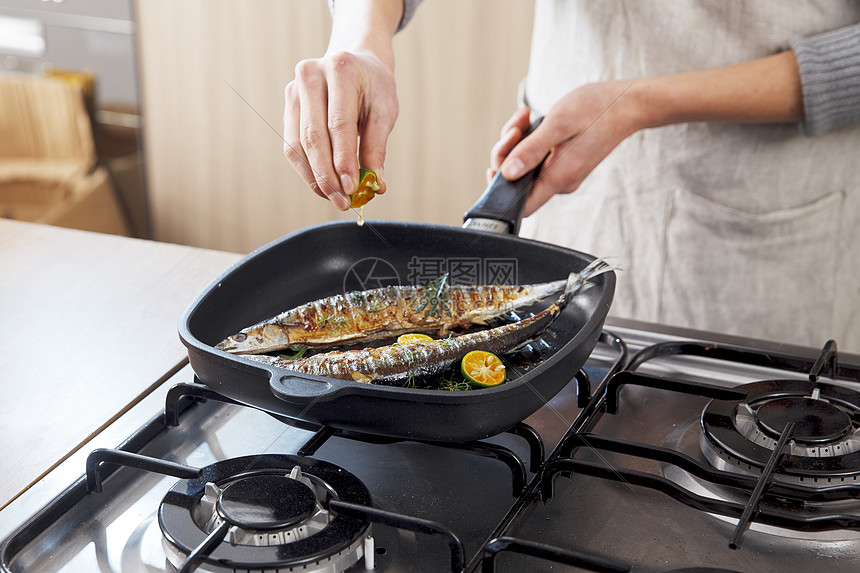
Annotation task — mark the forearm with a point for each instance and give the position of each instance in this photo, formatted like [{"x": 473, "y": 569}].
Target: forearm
[
  {"x": 766, "y": 90},
  {"x": 365, "y": 25}
]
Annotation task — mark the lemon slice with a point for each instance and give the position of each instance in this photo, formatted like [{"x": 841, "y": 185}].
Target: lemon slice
[
  {"x": 413, "y": 337},
  {"x": 367, "y": 188},
  {"x": 483, "y": 369}
]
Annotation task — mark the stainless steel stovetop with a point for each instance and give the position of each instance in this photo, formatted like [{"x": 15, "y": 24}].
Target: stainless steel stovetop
[{"x": 568, "y": 491}]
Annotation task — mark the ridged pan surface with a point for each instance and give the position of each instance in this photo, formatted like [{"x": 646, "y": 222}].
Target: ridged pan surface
[{"x": 338, "y": 258}]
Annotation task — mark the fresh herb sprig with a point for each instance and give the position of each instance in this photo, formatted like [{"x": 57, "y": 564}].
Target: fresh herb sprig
[
  {"x": 300, "y": 351},
  {"x": 337, "y": 322},
  {"x": 455, "y": 385},
  {"x": 369, "y": 302},
  {"x": 411, "y": 360},
  {"x": 435, "y": 300}
]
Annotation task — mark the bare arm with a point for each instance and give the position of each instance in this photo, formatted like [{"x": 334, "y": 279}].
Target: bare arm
[
  {"x": 766, "y": 90},
  {"x": 589, "y": 122},
  {"x": 341, "y": 108}
]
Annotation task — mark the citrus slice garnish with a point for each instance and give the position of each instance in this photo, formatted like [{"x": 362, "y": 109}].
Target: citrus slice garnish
[
  {"x": 413, "y": 337},
  {"x": 367, "y": 188},
  {"x": 483, "y": 369}
]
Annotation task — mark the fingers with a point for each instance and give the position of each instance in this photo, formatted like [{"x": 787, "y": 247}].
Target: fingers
[
  {"x": 566, "y": 167},
  {"x": 519, "y": 119},
  {"x": 576, "y": 134},
  {"x": 510, "y": 134},
  {"x": 557, "y": 177},
  {"x": 306, "y": 149},
  {"x": 340, "y": 109},
  {"x": 529, "y": 152},
  {"x": 293, "y": 150},
  {"x": 374, "y": 139},
  {"x": 313, "y": 130},
  {"x": 504, "y": 146},
  {"x": 344, "y": 90}
]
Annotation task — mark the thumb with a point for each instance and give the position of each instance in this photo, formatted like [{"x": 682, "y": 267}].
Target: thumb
[
  {"x": 372, "y": 146},
  {"x": 528, "y": 153}
]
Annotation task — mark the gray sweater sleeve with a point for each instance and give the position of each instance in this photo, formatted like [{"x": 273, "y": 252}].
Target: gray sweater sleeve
[
  {"x": 829, "y": 66},
  {"x": 409, "y": 8}
]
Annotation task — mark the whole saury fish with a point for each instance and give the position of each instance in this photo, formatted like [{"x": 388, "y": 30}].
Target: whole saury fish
[
  {"x": 374, "y": 314},
  {"x": 400, "y": 362}
]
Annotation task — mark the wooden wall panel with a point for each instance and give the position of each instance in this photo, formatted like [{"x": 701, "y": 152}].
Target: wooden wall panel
[{"x": 216, "y": 173}]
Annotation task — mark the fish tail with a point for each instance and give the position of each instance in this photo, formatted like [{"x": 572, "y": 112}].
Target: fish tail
[{"x": 582, "y": 281}]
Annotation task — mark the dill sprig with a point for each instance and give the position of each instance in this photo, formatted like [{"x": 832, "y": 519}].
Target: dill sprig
[
  {"x": 455, "y": 385},
  {"x": 452, "y": 380},
  {"x": 435, "y": 299},
  {"x": 411, "y": 361},
  {"x": 369, "y": 302},
  {"x": 300, "y": 351},
  {"x": 337, "y": 322}
]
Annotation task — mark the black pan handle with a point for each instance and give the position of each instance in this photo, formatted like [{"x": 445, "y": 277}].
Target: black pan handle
[{"x": 500, "y": 207}]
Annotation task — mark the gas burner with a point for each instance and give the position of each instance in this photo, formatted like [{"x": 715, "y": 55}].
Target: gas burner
[
  {"x": 817, "y": 421},
  {"x": 272, "y": 508},
  {"x": 265, "y": 509},
  {"x": 825, "y": 445}
]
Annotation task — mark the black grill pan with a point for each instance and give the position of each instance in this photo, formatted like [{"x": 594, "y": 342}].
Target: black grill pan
[{"x": 321, "y": 261}]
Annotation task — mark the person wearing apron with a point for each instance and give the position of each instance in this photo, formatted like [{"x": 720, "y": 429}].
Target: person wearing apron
[{"x": 739, "y": 227}]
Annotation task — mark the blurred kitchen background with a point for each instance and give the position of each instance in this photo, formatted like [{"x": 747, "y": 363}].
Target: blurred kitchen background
[{"x": 128, "y": 117}]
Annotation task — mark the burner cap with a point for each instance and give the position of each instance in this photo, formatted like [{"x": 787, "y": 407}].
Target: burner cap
[
  {"x": 273, "y": 500},
  {"x": 266, "y": 502},
  {"x": 824, "y": 448},
  {"x": 816, "y": 421}
]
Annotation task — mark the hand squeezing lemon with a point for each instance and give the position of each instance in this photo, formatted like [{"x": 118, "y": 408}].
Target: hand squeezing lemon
[{"x": 368, "y": 185}]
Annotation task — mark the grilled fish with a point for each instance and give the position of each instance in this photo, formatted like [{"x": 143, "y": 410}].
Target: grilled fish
[
  {"x": 401, "y": 362},
  {"x": 385, "y": 312}
]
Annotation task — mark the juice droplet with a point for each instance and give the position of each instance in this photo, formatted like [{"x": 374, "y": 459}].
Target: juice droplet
[{"x": 360, "y": 221}]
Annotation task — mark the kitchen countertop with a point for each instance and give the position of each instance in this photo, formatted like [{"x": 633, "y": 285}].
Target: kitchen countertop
[{"x": 87, "y": 329}]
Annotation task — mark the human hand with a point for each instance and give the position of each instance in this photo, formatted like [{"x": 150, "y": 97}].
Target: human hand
[
  {"x": 339, "y": 112},
  {"x": 577, "y": 133},
  {"x": 585, "y": 125}
]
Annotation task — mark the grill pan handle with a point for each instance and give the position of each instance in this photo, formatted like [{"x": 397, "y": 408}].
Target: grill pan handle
[
  {"x": 291, "y": 387},
  {"x": 500, "y": 207}
]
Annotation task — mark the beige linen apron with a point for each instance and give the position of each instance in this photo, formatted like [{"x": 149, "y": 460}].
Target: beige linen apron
[{"x": 742, "y": 229}]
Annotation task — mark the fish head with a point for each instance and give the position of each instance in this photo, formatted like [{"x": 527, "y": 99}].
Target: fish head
[{"x": 255, "y": 340}]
